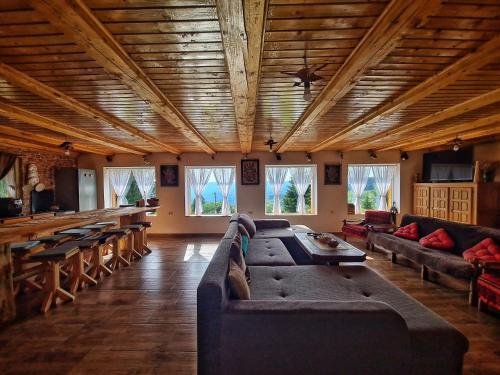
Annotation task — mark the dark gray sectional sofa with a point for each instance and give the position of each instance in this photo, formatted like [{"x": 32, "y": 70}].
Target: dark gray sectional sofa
[
  {"x": 310, "y": 319},
  {"x": 450, "y": 262}
]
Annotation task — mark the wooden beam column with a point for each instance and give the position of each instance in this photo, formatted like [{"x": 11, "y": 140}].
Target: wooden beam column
[
  {"x": 242, "y": 27},
  {"x": 378, "y": 42},
  {"x": 75, "y": 20}
]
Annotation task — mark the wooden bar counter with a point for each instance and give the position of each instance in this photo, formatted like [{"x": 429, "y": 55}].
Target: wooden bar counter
[{"x": 37, "y": 227}]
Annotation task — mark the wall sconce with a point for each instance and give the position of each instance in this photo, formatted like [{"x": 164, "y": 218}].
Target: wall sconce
[
  {"x": 278, "y": 156},
  {"x": 178, "y": 157},
  {"x": 372, "y": 154},
  {"x": 404, "y": 155},
  {"x": 309, "y": 157},
  {"x": 109, "y": 158}
]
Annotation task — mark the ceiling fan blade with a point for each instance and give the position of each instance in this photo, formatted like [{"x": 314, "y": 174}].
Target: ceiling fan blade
[
  {"x": 317, "y": 67},
  {"x": 315, "y": 77}
]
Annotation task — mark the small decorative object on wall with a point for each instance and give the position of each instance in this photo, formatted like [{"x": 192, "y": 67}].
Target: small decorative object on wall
[
  {"x": 169, "y": 175},
  {"x": 250, "y": 172},
  {"x": 333, "y": 174}
]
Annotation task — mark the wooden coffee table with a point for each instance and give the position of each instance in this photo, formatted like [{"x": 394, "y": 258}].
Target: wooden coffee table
[{"x": 344, "y": 252}]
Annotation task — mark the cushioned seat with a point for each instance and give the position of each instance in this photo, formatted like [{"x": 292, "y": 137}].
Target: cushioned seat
[
  {"x": 25, "y": 246},
  {"x": 60, "y": 252},
  {"x": 56, "y": 238},
  {"x": 268, "y": 252},
  {"x": 429, "y": 332},
  {"x": 75, "y": 232},
  {"x": 280, "y": 232},
  {"x": 451, "y": 264},
  {"x": 133, "y": 227}
]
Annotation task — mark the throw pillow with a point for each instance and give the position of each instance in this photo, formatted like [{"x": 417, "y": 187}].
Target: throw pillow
[
  {"x": 244, "y": 244},
  {"x": 410, "y": 232},
  {"x": 238, "y": 285},
  {"x": 248, "y": 224},
  {"x": 236, "y": 254},
  {"x": 243, "y": 231},
  {"x": 438, "y": 239},
  {"x": 486, "y": 250}
]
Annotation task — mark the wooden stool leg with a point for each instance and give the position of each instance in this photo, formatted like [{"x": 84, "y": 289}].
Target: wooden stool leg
[
  {"x": 145, "y": 249},
  {"x": 53, "y": 288},
  {"x": 79, "y": 276},
  {"x": 137, "y": 241},
  {"x": 117, "y": 258},
  {"x": 98, "y": 265}
]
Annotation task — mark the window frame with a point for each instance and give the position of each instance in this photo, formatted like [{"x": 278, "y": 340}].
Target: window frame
[
  {"x": 187, "y": 190},
  {"x": 110, "y": 199},
  {"x": 314, "y": 190},
  {"x": 394, "y": 191}
]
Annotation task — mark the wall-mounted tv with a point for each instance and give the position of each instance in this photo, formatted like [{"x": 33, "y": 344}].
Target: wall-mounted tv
[{"x": 449, "y": 166}]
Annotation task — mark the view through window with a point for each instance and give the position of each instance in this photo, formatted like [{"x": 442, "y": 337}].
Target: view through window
[
  {"x": 124, "y": 186},
  {"x": 290, "y": 189},
  {"x": 210, "y": 191},
  {"x": 8, "y": 184},
  {"x": 373, "y": 187}
]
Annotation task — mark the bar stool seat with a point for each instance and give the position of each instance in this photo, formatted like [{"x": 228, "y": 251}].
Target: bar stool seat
[
  {"x": 51, "y": 259},
  {"x": 55, "y": 239},
  {"x": 76, "y": 232},
  {"x": 95, "y": 227},
  {"x": 117, "y": 258},
  {"x": 146, "y": 224},
  {"x": 109, "y": 223},
  {"x": 26, "y": 247}
]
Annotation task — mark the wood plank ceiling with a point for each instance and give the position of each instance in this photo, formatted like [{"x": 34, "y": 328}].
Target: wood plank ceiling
[{"x": 181, "y": 76}]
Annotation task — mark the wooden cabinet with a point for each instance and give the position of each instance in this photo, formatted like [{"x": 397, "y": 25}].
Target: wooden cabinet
[{"x": 469, "y": 203}]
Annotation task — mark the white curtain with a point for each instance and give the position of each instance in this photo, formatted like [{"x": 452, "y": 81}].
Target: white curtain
[
  {"x": 358, "y": 177},
  {"x": 383, "y": 178},
  {"x": 276, "y": 177},
  {"x": 119, "y": 178},
  {"x": 301, "y": 178},
  {"x": 145, "y": 178},
  {"x": 198, "y": 179},
  {"x": 225, "y": 180},
  {"x": 10, "y": 180}
]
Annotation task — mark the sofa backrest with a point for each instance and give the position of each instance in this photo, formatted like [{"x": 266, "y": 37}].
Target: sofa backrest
[
  {"x": 464, "y": 235},
  {"x": 212, "y": 299},
  {"x": 377, "y": 217}
]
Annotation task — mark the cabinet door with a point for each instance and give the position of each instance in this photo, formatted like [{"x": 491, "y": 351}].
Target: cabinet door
[
  {"x": 461, "y": 204},
  {"x": 421, "y": 200},
  {"x": 439, "y": 202}
]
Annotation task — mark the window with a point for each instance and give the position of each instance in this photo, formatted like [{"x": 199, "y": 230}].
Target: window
[
  {"x": 210, "y": 191},
  {"x": 291, "y": 189},
  {"x": 373, "y": 187},
  {"x": 8, "y": 184},
  {"x": 127, "y": 185}
]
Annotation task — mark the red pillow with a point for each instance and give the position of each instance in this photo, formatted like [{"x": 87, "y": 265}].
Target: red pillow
[
  {"x": 438, "y": 239},
  {"x": 486, "y": 250},
  {"x": 410, "y": 232}
]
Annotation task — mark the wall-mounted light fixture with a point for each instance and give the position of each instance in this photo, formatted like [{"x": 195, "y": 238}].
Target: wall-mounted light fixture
[
  {"x": 309, "y": 157},
  {"x": 109, "y": 158},
  {"x": 404, "y": 155},
  {"x": 278, "y": 156},
  {"x": 372, "y": 154}
]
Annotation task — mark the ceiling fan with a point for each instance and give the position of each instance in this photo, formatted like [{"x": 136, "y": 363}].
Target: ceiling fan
[
  {"x": 67, "y": 147},
  {"x": 307, "y": 76},
  {"x": 456, "y": 143}
]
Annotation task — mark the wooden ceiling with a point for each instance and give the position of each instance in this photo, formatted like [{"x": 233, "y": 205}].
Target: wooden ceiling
[{"x": 142, "y": 76}]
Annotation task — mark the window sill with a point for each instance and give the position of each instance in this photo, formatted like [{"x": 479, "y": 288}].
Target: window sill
[
  {"x": 209, "y": 215},
  {"x": 291, "y": 214}
]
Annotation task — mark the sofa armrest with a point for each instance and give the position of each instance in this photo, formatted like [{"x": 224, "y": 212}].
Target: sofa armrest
[
  {"x": 294, "y": 336},
  {"x": 271, "y": 223}
]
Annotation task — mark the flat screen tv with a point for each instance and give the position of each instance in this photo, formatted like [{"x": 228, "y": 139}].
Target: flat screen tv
[{"x": 449, "y": 166}]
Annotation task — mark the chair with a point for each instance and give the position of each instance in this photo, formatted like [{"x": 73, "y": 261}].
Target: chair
[
  {"x": 119, "y": 236},
  {"x": 138, "y": 239},
  {"x": 145, "y": 250},
  {"x": 377, "y": 221}
]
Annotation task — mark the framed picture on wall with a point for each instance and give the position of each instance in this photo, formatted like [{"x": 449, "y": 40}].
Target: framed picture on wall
[
  {"x": 169, "y": 175},
  {"x": 333, "y": 174},
  {"x": 250, "y": 172}
]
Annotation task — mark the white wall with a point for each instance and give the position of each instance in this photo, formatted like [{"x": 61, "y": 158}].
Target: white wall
[{"x": 332, "y": 199}]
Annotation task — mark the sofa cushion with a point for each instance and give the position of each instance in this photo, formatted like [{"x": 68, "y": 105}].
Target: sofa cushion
[
  {"x": 357, "y": 230},
  {"x": 486, "y": 250},
  {"x": 237, "y": 282},
  {"x": 438, "y": 239},
  {"x": 281, "y": 232},
  {"x": 410, "y": 232},
  {"x": 268, "y": 252},
  {"x": 248, "y": 224},
  {"x": 410, "y": 249},
  {"x": 446, "y": 262},
  {"x": 377, "y": 217},
  {"x": 428, "y": 331}
]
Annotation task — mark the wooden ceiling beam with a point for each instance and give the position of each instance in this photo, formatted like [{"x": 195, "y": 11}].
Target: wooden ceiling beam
[
  {"x": 464, "y": 136},
  {"x": 20, "y": 114},
  {"x": 76, "y": 20},
  {"x": 242, "y": 27},
  {"x": 450, "y": 131},
  {"x": 485, "y": 54},
  {"x": 31, "y": 145},
  {"x": 23, "y": 80},
  {"x": 453, "y": 111},
  {"x": 378, "y": 42},
  {"x": 51, "y": 140}
]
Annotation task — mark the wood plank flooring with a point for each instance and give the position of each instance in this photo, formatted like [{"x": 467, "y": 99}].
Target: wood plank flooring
[{"x": 142, "y": 319}]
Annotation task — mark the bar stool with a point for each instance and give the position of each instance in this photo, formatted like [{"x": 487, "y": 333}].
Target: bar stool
[
  {"x": 54, "y": 240},
  {"x": 138, "y": 239},
  {"x": 76, "y": 232},
  {"x": 51, "y": 260},
  {"x": 97, "y": 263},
  {"x": 144, "y": 248},
  {"x": 120, "y": 235},
  {"x": 79, "y": 277},
  {"x": 108, "y": 223},
  {"x": 98, "y": 227},
  {"x": 20, "y": 258}
]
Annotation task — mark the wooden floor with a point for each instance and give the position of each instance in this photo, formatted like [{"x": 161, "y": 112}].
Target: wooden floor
[{"x": 142, "y": 320}]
